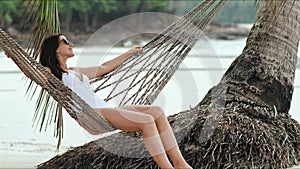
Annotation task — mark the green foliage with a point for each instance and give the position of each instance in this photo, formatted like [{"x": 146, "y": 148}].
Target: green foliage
[
  {"x": 235, "y": 11},
  {"x": 88, "y": 15},
  {"x": 8, "y": 11},
  {"x": 45, "y": 22}
]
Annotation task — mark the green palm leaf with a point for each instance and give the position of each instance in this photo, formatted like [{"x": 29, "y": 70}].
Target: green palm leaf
[
  {"x": 46, "y": 22},
  {"x": 44, "y": 15}
]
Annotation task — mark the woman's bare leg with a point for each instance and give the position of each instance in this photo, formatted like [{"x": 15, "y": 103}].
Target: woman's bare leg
[
  {"x": 128, "y": 120},
  {"x": 166, "y": 133}
]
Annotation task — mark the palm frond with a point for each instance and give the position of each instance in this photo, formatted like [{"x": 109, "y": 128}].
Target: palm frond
[
  {"x": 44, "y": 15},
  {"x": 46, "y": 22}
]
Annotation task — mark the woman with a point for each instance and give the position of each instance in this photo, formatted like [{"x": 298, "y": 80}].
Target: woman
[{"x": 150, "y": 120}]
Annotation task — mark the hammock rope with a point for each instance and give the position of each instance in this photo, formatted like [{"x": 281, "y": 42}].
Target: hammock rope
[{"x": 145, "y": 73}]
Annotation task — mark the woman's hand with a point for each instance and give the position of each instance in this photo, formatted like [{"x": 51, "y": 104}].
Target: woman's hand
[
  {"x": 109, "y": 65},
  {"x": 135, "y": 50}
]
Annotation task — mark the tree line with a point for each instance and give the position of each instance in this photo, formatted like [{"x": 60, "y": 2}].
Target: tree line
[{"x": 87, "y": 16}]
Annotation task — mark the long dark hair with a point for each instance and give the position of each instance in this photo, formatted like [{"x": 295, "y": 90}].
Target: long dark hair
[{"x": 48, "y": 56}]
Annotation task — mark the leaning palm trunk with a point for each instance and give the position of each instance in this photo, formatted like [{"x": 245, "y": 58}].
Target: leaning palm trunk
[{"x": 243, "y": 122}]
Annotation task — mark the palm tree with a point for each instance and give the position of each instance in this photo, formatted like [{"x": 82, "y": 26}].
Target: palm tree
[{"x": 242, "y": 122}]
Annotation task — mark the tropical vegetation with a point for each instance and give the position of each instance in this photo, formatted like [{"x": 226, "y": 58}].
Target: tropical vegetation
[{"x": 81, "y": 16}]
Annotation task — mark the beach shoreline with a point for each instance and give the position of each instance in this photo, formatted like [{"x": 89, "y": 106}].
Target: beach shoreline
[{"x": 213, "y": 31}]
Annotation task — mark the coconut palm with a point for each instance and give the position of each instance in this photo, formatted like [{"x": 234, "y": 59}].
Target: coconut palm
[{"x": 242, "y": 122}]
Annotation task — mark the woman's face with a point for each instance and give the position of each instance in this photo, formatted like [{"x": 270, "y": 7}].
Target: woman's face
[{"x": 65, "y": 48}]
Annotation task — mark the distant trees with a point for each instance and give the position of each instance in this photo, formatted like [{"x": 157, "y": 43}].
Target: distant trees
[
  {"x": 87, "y": 16},
  {"x": 90, "y": 15},
  {"x": 9, "y": 13},
  {"x": 235, "y": 11},
  {"x": 238, "y": 11},
  {"x": 83, "y": 15}
]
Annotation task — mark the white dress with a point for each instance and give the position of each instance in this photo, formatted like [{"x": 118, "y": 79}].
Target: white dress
[{"x": 83, "y": 89}]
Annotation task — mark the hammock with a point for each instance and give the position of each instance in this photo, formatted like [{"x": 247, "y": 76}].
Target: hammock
[
  {"x": 160, "y": 59},
  {"x": 149, "y": 71}
]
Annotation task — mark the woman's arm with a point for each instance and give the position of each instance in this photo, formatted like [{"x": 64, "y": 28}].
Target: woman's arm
[{"x": 97, "y": 71}]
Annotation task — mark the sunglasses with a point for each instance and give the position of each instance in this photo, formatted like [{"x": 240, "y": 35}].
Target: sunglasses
[{"x": 66, "y": 42}]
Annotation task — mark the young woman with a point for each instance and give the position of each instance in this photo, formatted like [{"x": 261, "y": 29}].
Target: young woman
[{"x": 150, "y": 120}]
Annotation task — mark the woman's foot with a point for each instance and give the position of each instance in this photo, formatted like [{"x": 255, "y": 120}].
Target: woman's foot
[{"x": 183, "y": 166}]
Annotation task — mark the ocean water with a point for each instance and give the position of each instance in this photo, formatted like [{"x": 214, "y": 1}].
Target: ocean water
[{"x": 23, "y": 146}]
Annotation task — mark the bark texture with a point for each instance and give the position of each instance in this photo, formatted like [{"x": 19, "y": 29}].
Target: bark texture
[{"x": 243, "y": 122}]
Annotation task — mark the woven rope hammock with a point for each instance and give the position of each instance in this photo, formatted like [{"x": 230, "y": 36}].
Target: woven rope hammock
[
  {"x": 161, "y": 57},
  {"x": 145, "y": 74}
]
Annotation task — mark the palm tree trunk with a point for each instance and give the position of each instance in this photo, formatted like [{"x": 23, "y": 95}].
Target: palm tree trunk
[
  {"x": 268, "y": 63},
  {"x": 243, "y": 122}
]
